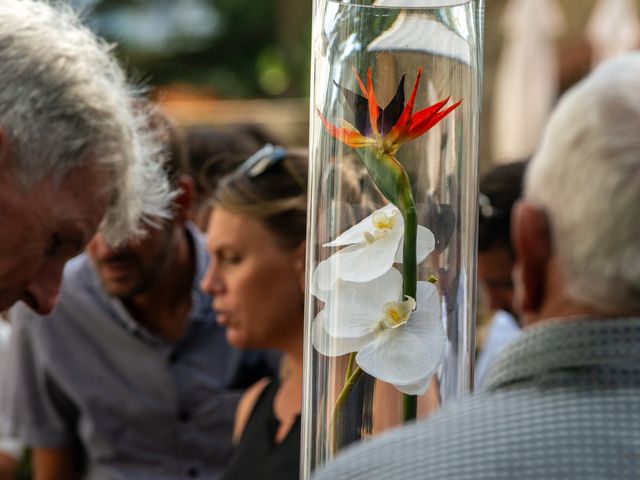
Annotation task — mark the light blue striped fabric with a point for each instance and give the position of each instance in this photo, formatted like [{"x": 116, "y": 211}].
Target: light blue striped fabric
[{"x": 562, "y": 402}]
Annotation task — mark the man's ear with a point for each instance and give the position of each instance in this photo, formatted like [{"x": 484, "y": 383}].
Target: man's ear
[
  {"x": 185, "y": 196},
  {"x": 531, "y": 236}
]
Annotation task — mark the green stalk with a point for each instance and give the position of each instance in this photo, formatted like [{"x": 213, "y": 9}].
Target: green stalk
[
  {"x": 409, "y": 285},
  {"x": 351, "y": 361},
  {"x": 334, "y": 426}
]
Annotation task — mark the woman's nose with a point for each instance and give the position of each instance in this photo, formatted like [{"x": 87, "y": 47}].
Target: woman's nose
[{"x": 211, "y": 282}]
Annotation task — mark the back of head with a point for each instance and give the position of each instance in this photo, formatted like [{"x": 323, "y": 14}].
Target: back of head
[
  {"x": 586, "y": 176},
  {"x": 173, "y": 141},
  {"x": 500, "y": 188},
  {"x": 215, "y": 152},
  {"x": 275, "y": 195},
  {"x": 65, "y": 104}
]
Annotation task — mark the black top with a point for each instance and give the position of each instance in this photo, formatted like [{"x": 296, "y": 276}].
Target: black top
[{"x": 258, "y": 456}]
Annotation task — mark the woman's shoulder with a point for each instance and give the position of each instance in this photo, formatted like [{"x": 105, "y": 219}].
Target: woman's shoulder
[{"x": 246, "y": 405}]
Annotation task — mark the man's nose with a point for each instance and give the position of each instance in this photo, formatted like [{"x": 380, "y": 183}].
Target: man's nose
[{"x": 41, "y": 293}]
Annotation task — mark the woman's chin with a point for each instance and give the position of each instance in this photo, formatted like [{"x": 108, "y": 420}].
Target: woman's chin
[{"x": 236, "y": 339}]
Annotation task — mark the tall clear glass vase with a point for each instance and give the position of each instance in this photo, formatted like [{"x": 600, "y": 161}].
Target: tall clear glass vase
[{"x": 391, "y": 251}]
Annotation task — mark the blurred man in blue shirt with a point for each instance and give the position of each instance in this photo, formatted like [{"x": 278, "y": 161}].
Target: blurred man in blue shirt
[{"x": 130, "y": 377}]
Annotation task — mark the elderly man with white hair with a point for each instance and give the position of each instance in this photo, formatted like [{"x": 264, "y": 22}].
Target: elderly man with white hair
[
  {"x": 563, "y": 402},
  {"x": 74, "y": 150}
]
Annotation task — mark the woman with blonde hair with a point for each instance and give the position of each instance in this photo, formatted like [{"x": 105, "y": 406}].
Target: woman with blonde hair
[{"x": 256, "y": 238}]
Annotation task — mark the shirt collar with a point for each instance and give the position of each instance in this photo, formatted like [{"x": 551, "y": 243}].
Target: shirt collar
[
  {"x": 200, "y": 301},
  {"x": 568, "y": 345}
]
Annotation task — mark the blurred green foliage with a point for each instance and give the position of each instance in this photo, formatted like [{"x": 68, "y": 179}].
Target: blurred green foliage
[{"x": 237, "y": 48}]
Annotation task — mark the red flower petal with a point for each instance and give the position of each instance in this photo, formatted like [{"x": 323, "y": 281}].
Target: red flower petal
[
  {"x": 430, "y": 111},
  {"x": 428, "y": 121}
]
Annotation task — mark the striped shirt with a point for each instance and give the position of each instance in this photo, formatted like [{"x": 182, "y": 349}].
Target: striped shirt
[{"x": 562, "y": 402}]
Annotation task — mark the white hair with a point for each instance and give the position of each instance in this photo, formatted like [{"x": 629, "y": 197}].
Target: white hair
[
  {"x": 65, "y": 104},
  {"x": 586, "y": 176}
]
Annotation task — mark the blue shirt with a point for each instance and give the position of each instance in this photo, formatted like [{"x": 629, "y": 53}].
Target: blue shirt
[
  {"x": 503, "y": 330},
  {"x": 140, "y": 407}
]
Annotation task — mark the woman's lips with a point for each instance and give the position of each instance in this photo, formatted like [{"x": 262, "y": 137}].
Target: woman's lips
[{"x": 222, "y": 318}]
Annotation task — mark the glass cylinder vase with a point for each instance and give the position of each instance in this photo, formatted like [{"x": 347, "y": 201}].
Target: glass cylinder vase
[{"x": 391, "y": 249}]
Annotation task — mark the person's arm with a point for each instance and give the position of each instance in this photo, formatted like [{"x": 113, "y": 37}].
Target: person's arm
[{"x": 54, "y": 464}]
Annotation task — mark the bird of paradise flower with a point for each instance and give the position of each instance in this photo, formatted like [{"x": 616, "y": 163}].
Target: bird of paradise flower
[{"x": 376, "y": 135}]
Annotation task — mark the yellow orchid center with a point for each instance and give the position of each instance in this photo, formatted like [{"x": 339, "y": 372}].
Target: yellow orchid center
[
  {"x": 396, "y": 314},
  {"x": 382, "y": 225}
]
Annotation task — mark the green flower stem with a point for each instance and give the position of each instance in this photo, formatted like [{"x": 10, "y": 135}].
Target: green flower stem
[
  {"x": 393, "y": 182},
  {"x": 409, "y": 285},
  {"x": 352, "y": 360},
  {"x": 334, "y": 427}
]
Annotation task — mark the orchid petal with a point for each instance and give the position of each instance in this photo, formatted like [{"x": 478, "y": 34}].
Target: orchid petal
[
  {"x": 355, "y": 263},
  {"x": 365, "y": 262},
  {"x": 321, "y": 281},
  {"x": 355, "y": 309},
  {"x": 425, "y": 244},
  {"x": 407, "y": 354},
  {"x": 360, "y": 261},
  {"x": 427, "y": 299},
  {"x": 356, "y": 233},
  {"x": 417, "y": 388},
  {"x": 330, "y": 346}
]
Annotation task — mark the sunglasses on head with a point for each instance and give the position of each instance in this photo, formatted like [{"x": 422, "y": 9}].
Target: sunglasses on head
[{"x": 262, "y": 160}]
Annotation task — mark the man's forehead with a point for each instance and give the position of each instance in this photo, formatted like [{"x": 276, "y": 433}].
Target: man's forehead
[{"x": 75, "y": 206}]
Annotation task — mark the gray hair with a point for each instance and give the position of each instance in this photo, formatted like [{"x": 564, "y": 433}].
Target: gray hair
[
  {"x": 65, "y": 104},
  {"x": 586, "y": 176}
]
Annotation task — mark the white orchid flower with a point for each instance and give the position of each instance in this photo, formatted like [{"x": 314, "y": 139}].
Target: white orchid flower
[
  {"x": 371, "y": 248},
  {"x": 398, "y": 341}
]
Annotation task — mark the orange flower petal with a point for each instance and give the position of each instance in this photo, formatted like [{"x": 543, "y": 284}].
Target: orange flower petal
[
  {"x": 362, "y": 87},
  {"x": 349, "y": 136},
  {"x": 373, "y": 107},
  {"x": 399, "y": 130}
]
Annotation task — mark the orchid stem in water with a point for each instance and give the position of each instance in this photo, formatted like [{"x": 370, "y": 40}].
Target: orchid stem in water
[
  {"x": 338, "y": 407},
  {"x": 409, "y": 282},
  {"x": 352, "y": 359}
]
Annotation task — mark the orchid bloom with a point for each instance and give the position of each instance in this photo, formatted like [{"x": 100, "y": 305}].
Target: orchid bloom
[
  {"x": 399, "y": 341},
  {"x": 371, "y": 248},
  {"x": 387, "y": 128}
]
